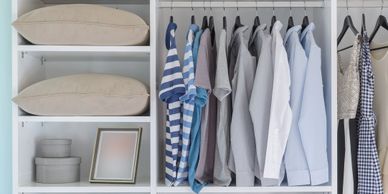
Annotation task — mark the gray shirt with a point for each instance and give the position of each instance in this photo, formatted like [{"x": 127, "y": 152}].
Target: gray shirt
[
  {"x": 205, "y": 78},
  {"x": 222, "y": 89},
  {"x": 241, "y": 129}
]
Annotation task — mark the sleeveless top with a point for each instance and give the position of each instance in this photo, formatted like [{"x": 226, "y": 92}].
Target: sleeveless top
[{"x": 348, "y": 83}]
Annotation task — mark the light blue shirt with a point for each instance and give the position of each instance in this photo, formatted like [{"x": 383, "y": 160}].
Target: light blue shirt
[
  {"x": 295, "y": 158},
  {"x": 195, "y": 136},
  {"x": 312, "y": 120}
]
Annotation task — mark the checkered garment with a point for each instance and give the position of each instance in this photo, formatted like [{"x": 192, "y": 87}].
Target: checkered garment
[{"x": 369, "y": 175}]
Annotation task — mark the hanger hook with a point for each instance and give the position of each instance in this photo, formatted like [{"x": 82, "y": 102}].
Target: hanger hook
[
  {"x": 290, "y": 9},
  {"x": 273, "y": 7},
  {"x": 223, "y": 5},
  {"x": 305, "y": 9},
  {"x": 172, "y": 1},
  {"x": 257, "y": 8},
  {"x": 347, "y": 6},
  {"x": 192, "y": 7},
  {"x": 382, "y": 7},
  {"x": 237, "y": 6},
  {"x": 204, "y": 8},
  {"x": 211, "y": 9}
]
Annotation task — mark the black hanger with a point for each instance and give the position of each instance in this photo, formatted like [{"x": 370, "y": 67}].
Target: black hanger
[
  {"x": 256, "y": 23},
  {"x": 171, "y": 19},
  {"x": 237, "y": 23},
  {"x": 192, "y": 19},
  {"x": 273, "y": 20},
  {"x": 381, "y": 22},
  {"x": 290, "y": 22},
  {"x": 305, "y": 22},
  {"x": 212, "y": 30},
  {"x": 224, "y": 23},
  {"x": 204, "y": 23},
  {"x": 348, "y": 23}
]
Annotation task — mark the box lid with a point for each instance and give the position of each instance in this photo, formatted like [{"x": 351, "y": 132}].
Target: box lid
[{"x": 58, "y": 161}]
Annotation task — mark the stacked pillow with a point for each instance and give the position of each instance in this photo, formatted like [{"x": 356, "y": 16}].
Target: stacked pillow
[
  {"x": 85, "y": 95},
  {"x": 82, "y": 24}
]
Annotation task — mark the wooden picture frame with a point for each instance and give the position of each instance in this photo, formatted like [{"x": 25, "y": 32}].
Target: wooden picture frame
[{"x": 115, "y": 155}]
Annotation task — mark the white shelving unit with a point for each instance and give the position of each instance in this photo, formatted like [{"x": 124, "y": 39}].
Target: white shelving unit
[{"x": 33, "y": 63}]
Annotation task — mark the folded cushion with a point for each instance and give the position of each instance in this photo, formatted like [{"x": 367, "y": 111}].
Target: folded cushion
[
  {"x": 82, "y": 24},
  {"x": 85, "y": 94}
]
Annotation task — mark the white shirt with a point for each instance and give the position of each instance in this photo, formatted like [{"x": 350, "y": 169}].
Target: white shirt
[{"x": 280, "y": 115}]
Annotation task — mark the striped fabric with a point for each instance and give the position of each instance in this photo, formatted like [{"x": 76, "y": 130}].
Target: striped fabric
[
  {"x": 171, "y": 89},
  {"x": 369, "y": 174},
  {"x": 188, "y": 105}
]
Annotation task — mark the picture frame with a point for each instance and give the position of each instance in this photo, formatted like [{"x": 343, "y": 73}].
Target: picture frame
[{"x": 115, "y": 155}]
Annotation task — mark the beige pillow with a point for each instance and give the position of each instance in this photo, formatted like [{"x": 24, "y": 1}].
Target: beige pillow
[
  {"x": 85, "y": 94},
  {"x": 82, "y": 24}
]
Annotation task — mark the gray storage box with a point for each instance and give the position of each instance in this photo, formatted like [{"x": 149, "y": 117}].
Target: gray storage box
[
  {"x": 55, "y": 148},
  {"x": 57, "y": 170}
]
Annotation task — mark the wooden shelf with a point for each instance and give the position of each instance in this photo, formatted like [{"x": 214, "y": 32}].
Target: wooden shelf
[
  {"x": 90, "y": 119},
  {"x": 85, "y": 187}
]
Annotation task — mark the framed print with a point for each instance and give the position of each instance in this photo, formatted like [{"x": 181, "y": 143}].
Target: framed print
[{"x": 115, "y": 156}]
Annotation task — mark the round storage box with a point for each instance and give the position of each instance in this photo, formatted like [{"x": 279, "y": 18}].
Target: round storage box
[
  {"x": 57, "y": 170},
  {"x": 55, "y": 148}
]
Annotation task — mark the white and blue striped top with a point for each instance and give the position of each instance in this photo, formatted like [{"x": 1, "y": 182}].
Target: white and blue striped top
[
  {"x": 171, "y": 89},
  {"x": 188, "y": 105}
]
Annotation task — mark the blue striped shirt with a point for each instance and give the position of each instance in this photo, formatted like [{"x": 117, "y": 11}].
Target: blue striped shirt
[
  {"x": 188, "y": 105},
  {"x": 171, "y": 89}
]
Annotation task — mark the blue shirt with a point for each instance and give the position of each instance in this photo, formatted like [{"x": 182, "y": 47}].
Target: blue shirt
[
  {"x": 171, "y": 89},
  {"x": 295, "y": 158},
  {"x": 312, "y": 120},
  {"x": 188, "y": 105},
  {"x": 195, "y": 136}
]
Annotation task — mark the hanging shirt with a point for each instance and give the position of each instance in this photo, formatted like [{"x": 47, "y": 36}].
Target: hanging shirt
[
  {"x": 195, "y": 135},
  {"x": 241, "y": 127},
  {"x": 222, "y": 89},
  {"x": 171, "y": 89},
  {"x": 312, "y": 121},
  {"x": 369, "y": 174},
  {"x": 380, "y": 69},
  {"x": 260, "y": 101},
  {"x": 188, "y": 101},
  {"x": 204, "y": 79},
  {"x": 280, "y": 115},
  {"x": 294, "y": 157}
]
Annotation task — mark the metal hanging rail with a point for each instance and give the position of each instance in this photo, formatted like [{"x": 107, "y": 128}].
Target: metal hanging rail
[
  {"x": 241, "y": 4},
  {"x": 361, "y": 4}
]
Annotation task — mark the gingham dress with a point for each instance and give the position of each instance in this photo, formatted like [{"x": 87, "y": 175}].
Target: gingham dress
[{"x": 369, "y": 175}]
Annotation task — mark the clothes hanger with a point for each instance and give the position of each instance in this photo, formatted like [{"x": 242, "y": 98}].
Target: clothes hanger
[
  {"x": 237, "y": 23},
  {"x": 381, "y": 22},
  {"x": 224, "y": 21},
  {"x": 305, "y": 21},
  {"x": 290, "y": 19},
  {"x": 192, "y": 16},
  {"x": 348, "y": 24},
  {"x": 211, "y": 25},
  {"x": 273, "y": 20},
  {"x": 204, "y": 20},
  {"x": 256, "y": 22}
]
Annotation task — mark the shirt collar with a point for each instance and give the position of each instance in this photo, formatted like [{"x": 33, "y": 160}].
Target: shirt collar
[
  {"x": 296, "y": 29},
  {"x": 308, "y": 28}
]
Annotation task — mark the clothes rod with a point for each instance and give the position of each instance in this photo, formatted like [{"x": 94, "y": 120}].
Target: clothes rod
[
  {"x": 241, "y": 4},
  {"x": 362, "y": 4}
]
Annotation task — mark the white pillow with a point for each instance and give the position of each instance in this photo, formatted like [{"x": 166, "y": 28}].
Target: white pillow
[
  {"x": 85, "y": 95},
  {"x": 82, "y": 24}
]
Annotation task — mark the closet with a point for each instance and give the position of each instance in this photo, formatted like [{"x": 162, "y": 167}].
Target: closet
[{"x": 34, "y": 63}]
